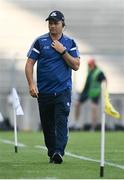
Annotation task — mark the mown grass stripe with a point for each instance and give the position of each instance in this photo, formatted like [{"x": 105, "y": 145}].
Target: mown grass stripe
[{"x": 67, "y": 154}]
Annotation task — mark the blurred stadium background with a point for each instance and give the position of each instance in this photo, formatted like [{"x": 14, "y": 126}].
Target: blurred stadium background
[{"x": 97, "y": 26}]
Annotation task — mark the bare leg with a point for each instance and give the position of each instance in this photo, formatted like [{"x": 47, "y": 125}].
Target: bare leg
[
  {"x": 77, "y": 110},
  {"x": 94, "y": 115}
]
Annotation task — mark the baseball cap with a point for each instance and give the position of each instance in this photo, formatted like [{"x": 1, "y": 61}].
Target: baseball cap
[{"x": 56, "y": 15}]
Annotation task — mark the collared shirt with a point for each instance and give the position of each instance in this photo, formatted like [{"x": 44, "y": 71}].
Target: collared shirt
[{"x": 53, "y": 74}]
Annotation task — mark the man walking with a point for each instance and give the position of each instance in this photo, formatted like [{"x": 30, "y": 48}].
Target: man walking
[{"x": 56, "y": 55}]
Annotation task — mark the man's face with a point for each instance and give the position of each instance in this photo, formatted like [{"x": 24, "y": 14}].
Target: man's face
[
  {"x": 55, "y": 27},
  {"x": 91, "y": 67}
]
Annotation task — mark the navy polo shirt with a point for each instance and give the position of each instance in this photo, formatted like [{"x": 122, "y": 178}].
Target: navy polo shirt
[{"x": 53, "y": 74}]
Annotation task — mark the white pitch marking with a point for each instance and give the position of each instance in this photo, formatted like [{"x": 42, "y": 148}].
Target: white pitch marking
[
  {"x": 85, "y": 158},
  {"x": 40, "y": 147},
  {"x": 67, "y": 154},
  {"x": 11, "y": 142}
]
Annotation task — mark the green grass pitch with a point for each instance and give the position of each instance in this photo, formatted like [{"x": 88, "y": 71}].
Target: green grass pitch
[{"x": 31, "y": 162}]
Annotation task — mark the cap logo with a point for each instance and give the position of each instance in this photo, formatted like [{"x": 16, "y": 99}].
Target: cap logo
[{"x": 53, "y": 14}]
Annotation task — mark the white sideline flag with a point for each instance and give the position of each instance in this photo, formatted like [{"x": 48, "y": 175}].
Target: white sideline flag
[
  {"x": 1, "y": 117},
  {"x": 16, "y": 103}
]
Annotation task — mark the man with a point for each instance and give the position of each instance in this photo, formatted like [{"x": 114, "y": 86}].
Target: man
[
  {"x": 56, "y": 55},
  {"x": 92, "y": 91}
]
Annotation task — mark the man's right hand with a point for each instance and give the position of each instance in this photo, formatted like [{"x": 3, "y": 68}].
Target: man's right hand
[{"x": 33, "y": 90}]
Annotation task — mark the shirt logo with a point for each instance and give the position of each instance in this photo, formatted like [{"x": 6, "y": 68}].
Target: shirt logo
[{"x": 46, "y": 47}]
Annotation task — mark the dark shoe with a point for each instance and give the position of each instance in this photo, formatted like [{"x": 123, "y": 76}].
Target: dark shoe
[
  {"x": 50, "y": 160},
  {"x": 57, "y": 158}
]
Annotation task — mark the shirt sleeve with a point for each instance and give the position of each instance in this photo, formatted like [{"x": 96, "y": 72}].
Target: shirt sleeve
[
  {"x": 74, "y": 50},
  {"x": 34, "y": 51},
  {"x": 101, "y": 77}
]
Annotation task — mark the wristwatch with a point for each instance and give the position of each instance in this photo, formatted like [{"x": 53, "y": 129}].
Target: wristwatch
[{"x": 63, "y": 52}]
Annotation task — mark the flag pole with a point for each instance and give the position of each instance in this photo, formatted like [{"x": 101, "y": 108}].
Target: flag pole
[
  {"x": 15, "y": 131},
  {"x": 102, "y": 130},
  {"x": 17, "y": 110}
]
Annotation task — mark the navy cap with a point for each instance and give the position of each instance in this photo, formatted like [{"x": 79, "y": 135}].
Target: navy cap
[{"x": 56, "y": 15}]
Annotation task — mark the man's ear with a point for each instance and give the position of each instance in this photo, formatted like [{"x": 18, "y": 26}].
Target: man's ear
[{"x": 63, "y": 24}]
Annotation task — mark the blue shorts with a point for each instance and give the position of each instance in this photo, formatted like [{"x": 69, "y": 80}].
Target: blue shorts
[{"x": 95, "y": 100}]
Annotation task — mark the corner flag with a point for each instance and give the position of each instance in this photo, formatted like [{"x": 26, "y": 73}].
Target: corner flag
[
  {"x": 109, "y": 109},
  {"x": 16, "y": 103},
  {"x": 17, "y": 110}
]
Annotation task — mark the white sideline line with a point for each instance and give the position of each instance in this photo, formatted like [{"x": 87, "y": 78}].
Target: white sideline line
[
  {"x": 40, "y": 147},
  {"x": 85, "y": 158},
  {"x": 93, "y": 160},
  {"x": 67, "y": 154},
  {"x": 11, "y": 142}
]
